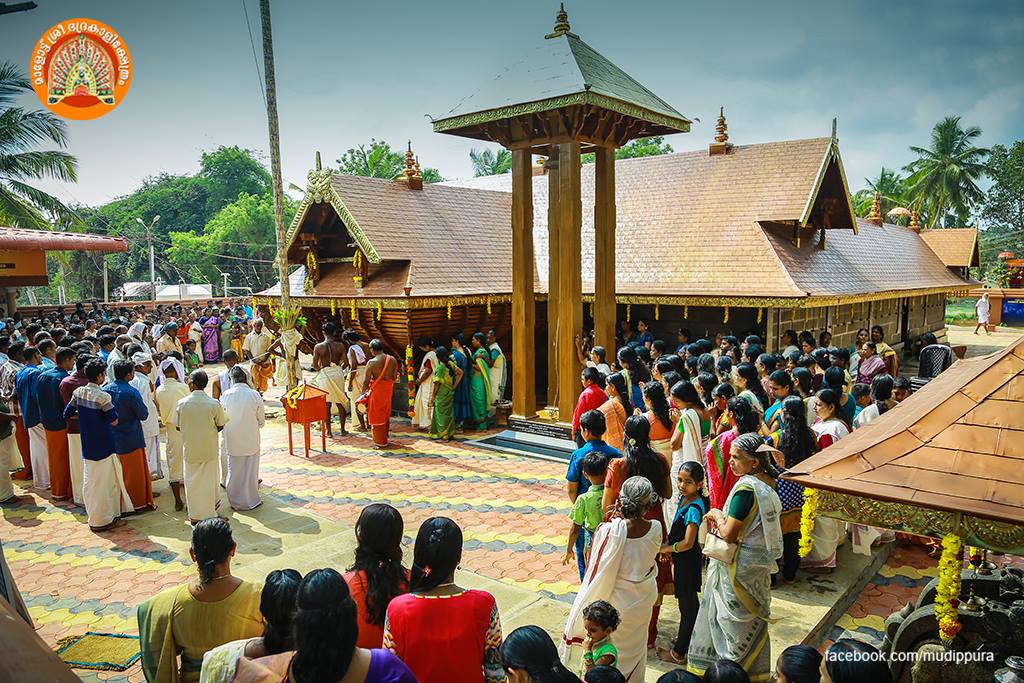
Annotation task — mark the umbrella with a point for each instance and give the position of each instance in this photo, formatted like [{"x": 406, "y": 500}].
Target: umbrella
[{"x": 898, "y": 211}]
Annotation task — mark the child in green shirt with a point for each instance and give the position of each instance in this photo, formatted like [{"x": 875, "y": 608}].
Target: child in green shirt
[
  {"x": 586, "y": 511},
  {"x": 600, "y": 619}
]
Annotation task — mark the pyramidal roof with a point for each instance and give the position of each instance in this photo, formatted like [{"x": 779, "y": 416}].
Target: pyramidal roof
[{"x": 563, "y": 70}]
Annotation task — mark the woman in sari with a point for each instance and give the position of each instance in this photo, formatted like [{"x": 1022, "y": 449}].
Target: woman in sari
[
  {"x": 742, "y": 419},
  {"x": 748, "y": 384},
  {"x": 227, "y": 321},
  {"x": 828, "y": 532},
  {"x": 623, "y": 571},
  {"x": 460, "y": 356},
  {"x": 688, "y": 438},
  {"x": 616, "y": 409},
  {"x": 447, "y": 377},
  {"x": 421, "y": 414},
  {"x": 736, "y": 599},
  {"x": 211, "y": 338},
  {"x": 479, "y": 382},
  {"x": 659, "y": 416},
  {"x": 192, "y": 619},
  {"x": 634, "y": 371}
]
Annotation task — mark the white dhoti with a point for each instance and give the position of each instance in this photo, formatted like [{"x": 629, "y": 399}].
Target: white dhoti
[
  {"x": 224, "y": 462},
  {"x": 244, "y": 482},
  {"x": 7, "y": 446},
  {"x": 75, "y": 462},
  {"x": 358, "y": 384},
  {"x": 825, "y": 539},
  {"x": 103, "y": 489},
  {"x": 332, "y": 380},
  {"x": 153, "y": 456},
  {"x": 175, "y": 464},
  {"x": 202, "y": 494},
  {"x": 39, "y": 457},
  {"x": 422, "y": 412}
]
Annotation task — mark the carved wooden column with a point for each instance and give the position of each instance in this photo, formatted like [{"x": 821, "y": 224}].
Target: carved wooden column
[
  {"x": 604, "y": 249},
  {"x": 524, "y": 398},
  {"x": 570, "y": 291},
  {"x": 554, "y": 267}
]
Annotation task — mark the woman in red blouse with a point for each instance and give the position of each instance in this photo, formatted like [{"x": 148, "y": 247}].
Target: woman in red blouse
[{"x": 377, "y": 575}]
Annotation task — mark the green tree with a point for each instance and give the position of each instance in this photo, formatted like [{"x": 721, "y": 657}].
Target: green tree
[
  {"x": 21, "y": 163},
  {"x": 892, "y": 187},
  {"x": 227, "y": 172},
  {"x": 490, "y": 162},
  {"x": 1004, "y": 201},
  {"x": 944, "y": 177},
  {"x": 239, "y": 239},
  {"x": 644, "y": 147},
  {"x": 379, "y": 160}
]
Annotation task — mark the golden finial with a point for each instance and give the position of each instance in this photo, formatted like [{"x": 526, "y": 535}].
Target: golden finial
[
  {"x": 410, "y": 160},
  {"x": 416, "y": 166},
  {"x": 914, "y": 224},
  {"x": 876, "y": 209},
  {"x": 561, "y": 23},
  {"x": 722, "y": 128}
]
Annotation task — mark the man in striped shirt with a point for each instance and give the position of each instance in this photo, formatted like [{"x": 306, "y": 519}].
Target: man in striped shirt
[{"x": 103, "y": 488}]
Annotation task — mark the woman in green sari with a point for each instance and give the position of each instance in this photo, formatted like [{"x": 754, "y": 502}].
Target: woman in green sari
[
  {"x": 227, "y": 320},
  {"x": 447, "y": 376},
  {"x": 479, "y": 381}
]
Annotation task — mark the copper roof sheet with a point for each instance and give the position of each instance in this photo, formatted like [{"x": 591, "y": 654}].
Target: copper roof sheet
[
  {"x": 957, "y": 444},
  {"x": 23, "y": 239},
  {"x": 957, "y": 247}
]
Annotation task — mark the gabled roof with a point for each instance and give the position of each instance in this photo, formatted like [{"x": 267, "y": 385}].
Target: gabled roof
[
  {"x": 957, "y": 247},
  {"x": 740, "y": 208},
  {"x": 955, "y": 445},
  {"x": 23, "y": 239},
  {"x": 559, "y": 72}
]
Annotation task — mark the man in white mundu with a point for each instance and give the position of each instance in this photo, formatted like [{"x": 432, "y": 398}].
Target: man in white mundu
[
  {"x": 151, "y": 425},
  {"x": 168, "y": 394},
  {"x": 199, "y": 417},
  {"x": 244, "y": 408}
]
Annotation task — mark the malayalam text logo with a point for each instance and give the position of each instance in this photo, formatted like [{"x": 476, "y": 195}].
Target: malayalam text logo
[{"x": 81, "y": 69}]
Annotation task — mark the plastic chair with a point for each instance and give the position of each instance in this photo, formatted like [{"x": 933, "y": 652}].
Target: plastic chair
[{"x": 934, "y": 359}]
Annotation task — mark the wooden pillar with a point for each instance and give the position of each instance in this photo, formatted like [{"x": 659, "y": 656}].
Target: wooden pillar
[
  {"x": 554, "y": 265},
  {"x": 569, "y": 302},
  {"x": 524, "y": 399},
  {"x": 604, "y": 249}
]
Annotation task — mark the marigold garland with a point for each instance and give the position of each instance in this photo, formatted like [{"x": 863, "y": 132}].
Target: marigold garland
[
  {"x": 352, "y": 311},
  {"x": 488, "y": 304},
  {"x": 947, "y": 593},
  {"x": 725, "y": 319},
  {"x": 807, "y": 515},
  {"x": 412, "y": 379},
  {"x": 449, "y": 309},
  {"x": 760, "y": 314},
  {"x": 380, "y": 309},
  {"x": 686, "y": 312},
  {"x": 657, "y": 311},
  {"x": 629, "y": 312},
  {"x": 293, "y": 396},
  {"x": 333, "y": 309}
]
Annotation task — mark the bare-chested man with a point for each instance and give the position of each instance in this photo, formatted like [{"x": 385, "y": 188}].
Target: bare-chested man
[
  {"x": 357, "y": 356},
  {"x": 381, "y": 373},
  {"x": 329, "y": 364}
]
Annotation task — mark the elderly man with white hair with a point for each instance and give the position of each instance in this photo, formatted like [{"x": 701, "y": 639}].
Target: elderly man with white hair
[
  {"x": 151, "y": 425},
  {"x": 172, "y": 390},
  {"x": 244, "y": 408}
]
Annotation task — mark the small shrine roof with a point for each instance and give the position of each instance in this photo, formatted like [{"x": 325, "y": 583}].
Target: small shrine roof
[
  {"x": 24, "y": 239},
  {"x": 957, "y": 247}
]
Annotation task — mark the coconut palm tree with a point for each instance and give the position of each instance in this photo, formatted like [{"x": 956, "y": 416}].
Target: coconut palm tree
[
  {"x": 892, "y": 187},
  {"x": 21, "y": 132},
  {"x": 489, "y": 162},
  {"x": 944, "y": 177}
]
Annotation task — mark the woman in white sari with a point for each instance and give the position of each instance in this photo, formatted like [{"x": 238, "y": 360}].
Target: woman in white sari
[
  {"x": 688, "y": 438},
  {"x": 425, "y": 384},
  {"x": 623, "y": 571},
  {"x": 736, "y": 599},
  {"x": 828, "y": 532}
]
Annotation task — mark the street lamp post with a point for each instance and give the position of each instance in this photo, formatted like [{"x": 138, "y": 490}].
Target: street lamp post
[{"x": 152, "y": 264}]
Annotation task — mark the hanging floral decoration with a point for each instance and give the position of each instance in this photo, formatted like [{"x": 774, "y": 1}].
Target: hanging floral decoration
[
  {"x": 657, "y": 311},
  {"x": 947, "y": 593},
  {"x": 686, "y": 311},
  {"x": 760, "y": 314},
  {"x": 333, "y": 308},
  {"x": 410, "y": 373},
  {"x": 356, "y": 259},
  {"x": 590, "y": 307},
  {"x": 629, "y": 312},
  {"x": 352, "y": 311},
  {"x": 807, "y": 515},
  {"x": 449, "y": 302},
  {"x": 488, "y": 304},
  {"x": 725, "y": 318},
  {"x": 380, "y": 309},
  {"x": 293, "y": 396}
]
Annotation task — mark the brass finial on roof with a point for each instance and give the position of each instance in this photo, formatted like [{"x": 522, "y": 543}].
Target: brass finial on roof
[
  {"x": 914, "y": 224},
  {"x": 410, "y": 161},
  {"x": 561, "y": 23},
  {"x": 416, "y": 166},
  {"x": 876, "y": 209},
  {"x": 721, "y": 144}
]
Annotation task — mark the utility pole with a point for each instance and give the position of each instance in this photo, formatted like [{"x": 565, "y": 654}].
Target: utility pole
[
  {"x": 152, "y": 263},
  {"x": 275, "y": 169},
  {"x": 225, "y": 276},
  {"x": 106, "y": 281}
]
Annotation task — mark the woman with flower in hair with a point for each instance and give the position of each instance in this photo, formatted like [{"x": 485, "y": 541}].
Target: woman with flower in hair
[
  {"x": 443, "y": 632},
  {"x": 623, "y": 571}
]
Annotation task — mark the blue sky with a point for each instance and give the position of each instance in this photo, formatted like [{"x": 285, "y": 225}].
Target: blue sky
[{"x": 348, "y": 71}]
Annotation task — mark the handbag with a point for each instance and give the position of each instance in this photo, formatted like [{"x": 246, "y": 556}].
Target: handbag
[{"x": 718, "y": 548}]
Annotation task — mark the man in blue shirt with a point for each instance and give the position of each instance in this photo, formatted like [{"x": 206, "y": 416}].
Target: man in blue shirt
[
  {"x": 51, "y": 415},
  {"x": 592, "y": 428},
  {"x": 129, "y": 443},
  {"x": 25, "y": 385}
]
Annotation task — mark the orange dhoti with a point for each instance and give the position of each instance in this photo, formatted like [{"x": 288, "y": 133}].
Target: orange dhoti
[
  {"x": 378, "y": 410},
  {"x": 60, "y": 466},
  {"x": 137, "y": 479},
  {"x": 21, "y": 436},
  {"x": 261, "y": 375}
]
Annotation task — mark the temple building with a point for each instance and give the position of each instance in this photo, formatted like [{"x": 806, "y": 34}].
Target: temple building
[{"x": 737, "y": 238}]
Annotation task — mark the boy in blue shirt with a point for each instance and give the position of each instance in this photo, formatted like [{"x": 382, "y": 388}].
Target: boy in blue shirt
[
  {"x": 592, "y": 428},
  {"x": 586, "y": 511}
]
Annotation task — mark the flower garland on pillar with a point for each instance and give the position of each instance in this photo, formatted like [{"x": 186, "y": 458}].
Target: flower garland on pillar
[
  {"x": 449, "y": 303},
  {"x": 488, "y": 304},
  {"x": 380, "y": 309},
  {"x": 412, "y": 379},
  {"x": 629, "y": 312},
  {"x": 947, "y": 593},
  {"x": 352, "y": 311},
  {"x": 807, "y": 515},
  {"x": 760, "y": 314}
]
